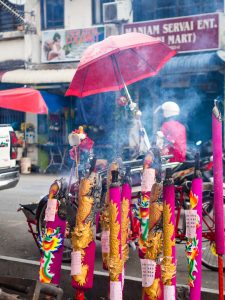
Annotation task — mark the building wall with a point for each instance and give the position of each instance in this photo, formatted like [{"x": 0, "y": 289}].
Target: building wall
[
  {"x": 78, "y": 14},
  {"x": 12, "y": 49}
]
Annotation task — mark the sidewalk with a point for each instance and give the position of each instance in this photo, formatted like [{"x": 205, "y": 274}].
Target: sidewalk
[{"x": 10, "y": 266}]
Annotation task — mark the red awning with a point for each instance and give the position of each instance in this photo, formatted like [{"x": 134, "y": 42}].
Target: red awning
[{"x": 23, "y": 99}]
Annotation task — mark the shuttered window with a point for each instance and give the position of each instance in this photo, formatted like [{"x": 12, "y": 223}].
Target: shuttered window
[
  {"x": 144, "y": 10},
  {"x": 8, "y": 21}
]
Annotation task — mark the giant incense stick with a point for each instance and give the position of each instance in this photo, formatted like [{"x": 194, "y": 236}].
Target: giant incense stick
[
  {"x": 115, "y": 258},
  {"x": 52, "y": 238},
  {"x": 151, "y": 277},
  {"x": 125, "y": 215},
  {"x": 148, "y": 180},
  {"x": 194, "y": 234},
  {"x": 169, "y": 250},
  {"x": 218, "y": 191},
  {"x": 104, "y": 219},
  {"x": 153, "y": 290},
  {"x": 83, "y": 255}
]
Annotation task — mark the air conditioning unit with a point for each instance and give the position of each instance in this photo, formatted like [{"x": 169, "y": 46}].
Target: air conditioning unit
[{"x": 115, "y": 12}]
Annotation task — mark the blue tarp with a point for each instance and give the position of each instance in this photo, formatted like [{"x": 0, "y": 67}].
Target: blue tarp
[
  {"x": 96, "y": 110},
  {"x": 55, "y": 102}
]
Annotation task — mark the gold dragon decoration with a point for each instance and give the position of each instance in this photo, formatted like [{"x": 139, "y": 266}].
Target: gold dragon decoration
[
  {"x": 104, "y": 215},
  {"x": 115, "y": 263},
  {"x": 82, "y": 235},
  {"x": 154, "y": 240},
  {"x": 168, "y": 267}
]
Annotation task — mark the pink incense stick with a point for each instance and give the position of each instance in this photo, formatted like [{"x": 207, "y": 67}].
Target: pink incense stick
[
  {"x": 218, "y": 192},
  {"x": 126, "y": 214},
  {"x": 195, "y": 244},
  {"x": 169, "y": 249},
  {"x": 89, "y": 261},
  {"x": 218, "y": 179},
  {"x": 52, "y": 246},
  {"x": 115, "y": 257}
]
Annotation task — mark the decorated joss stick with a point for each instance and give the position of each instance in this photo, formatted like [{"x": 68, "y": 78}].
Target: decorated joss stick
[
  {"x": 147, "y": 181},
  {"x": 194, "y": 234},
  {"x": 115, "y": 257},
  {"x": 218, "y": 191},
  {"x": 104, "y": 219},
  {"x": 125, "y": 221},
  {"x": 152, "y": 289},
  {"x": 168, "y": 264},
  {"x": 83, "y": 255},
  {"x": 52, "y": 238}
]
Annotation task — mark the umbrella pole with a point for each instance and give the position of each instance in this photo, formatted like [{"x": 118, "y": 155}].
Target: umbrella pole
[{"x": 132, "y": 106}]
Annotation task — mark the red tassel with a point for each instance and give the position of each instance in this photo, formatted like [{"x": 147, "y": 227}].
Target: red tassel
[
  {"x": 220, "y": 273},
  {"x": 79, "y": 295}
]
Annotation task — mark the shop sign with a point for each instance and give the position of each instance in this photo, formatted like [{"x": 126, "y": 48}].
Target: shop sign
[
  {"x": 184, "y": 34},
  {"x": 68, "y": 45}
]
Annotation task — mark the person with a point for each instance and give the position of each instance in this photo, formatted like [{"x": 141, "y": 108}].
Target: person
[
  {"x": 174, "y": 132},
  {"x": 53, "y": 48}
]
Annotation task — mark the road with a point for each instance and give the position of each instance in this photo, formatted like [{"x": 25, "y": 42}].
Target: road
[{"x": 17, "y": 242}]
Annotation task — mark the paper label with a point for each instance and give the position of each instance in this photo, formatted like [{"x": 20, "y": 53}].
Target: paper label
[
  {"x": 50, "y": 211},
  {"x": 76, "y": 263},
  {"x": 123, "y": 276},
  {"x": 191, "y": 220},
  {"x": 148, "y": 268},
  {"x": 169, "y": 292},
  {"x": 105, "y": 241},
  {"x": 115, "y": 290},
  {"x": 148, "y": 180}
]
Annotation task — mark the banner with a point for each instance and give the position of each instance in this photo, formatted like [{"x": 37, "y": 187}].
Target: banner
[
  {"x": 194, "y": 33},
  {"x": 68, "y": 45}
]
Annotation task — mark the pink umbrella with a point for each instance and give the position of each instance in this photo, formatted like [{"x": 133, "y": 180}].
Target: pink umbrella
[
  {"x": 118, "y": 61},
  {"x": 23, "y": 99}
]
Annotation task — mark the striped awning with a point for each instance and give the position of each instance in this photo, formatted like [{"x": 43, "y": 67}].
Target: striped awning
[{"x": 32, "y": 77}]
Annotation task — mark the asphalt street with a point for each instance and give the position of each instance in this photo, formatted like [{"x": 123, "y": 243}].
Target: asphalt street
[{"x": 17, "y": 242}]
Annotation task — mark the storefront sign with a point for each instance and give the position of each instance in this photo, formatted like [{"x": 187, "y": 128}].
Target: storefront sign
[
  {"x": 200, "y": 32},
  {"x": 68, "y": 45}
]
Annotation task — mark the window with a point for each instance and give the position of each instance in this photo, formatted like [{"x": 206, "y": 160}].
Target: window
[
  {"x": 144, "y": 10},
  {"x": 52, "y": 14},
  {"x": 97, "y": 10},
  {"x": 8, "y": 21}
]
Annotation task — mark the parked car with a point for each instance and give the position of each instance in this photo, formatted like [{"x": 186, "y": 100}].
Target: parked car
[{"x": 9, "y": 171}]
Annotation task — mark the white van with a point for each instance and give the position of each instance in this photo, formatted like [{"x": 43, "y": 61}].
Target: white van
[{"x": 9, "y": 171}]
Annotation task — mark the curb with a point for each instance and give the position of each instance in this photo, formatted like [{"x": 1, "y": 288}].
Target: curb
[{"x": 12, "y": 266}]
